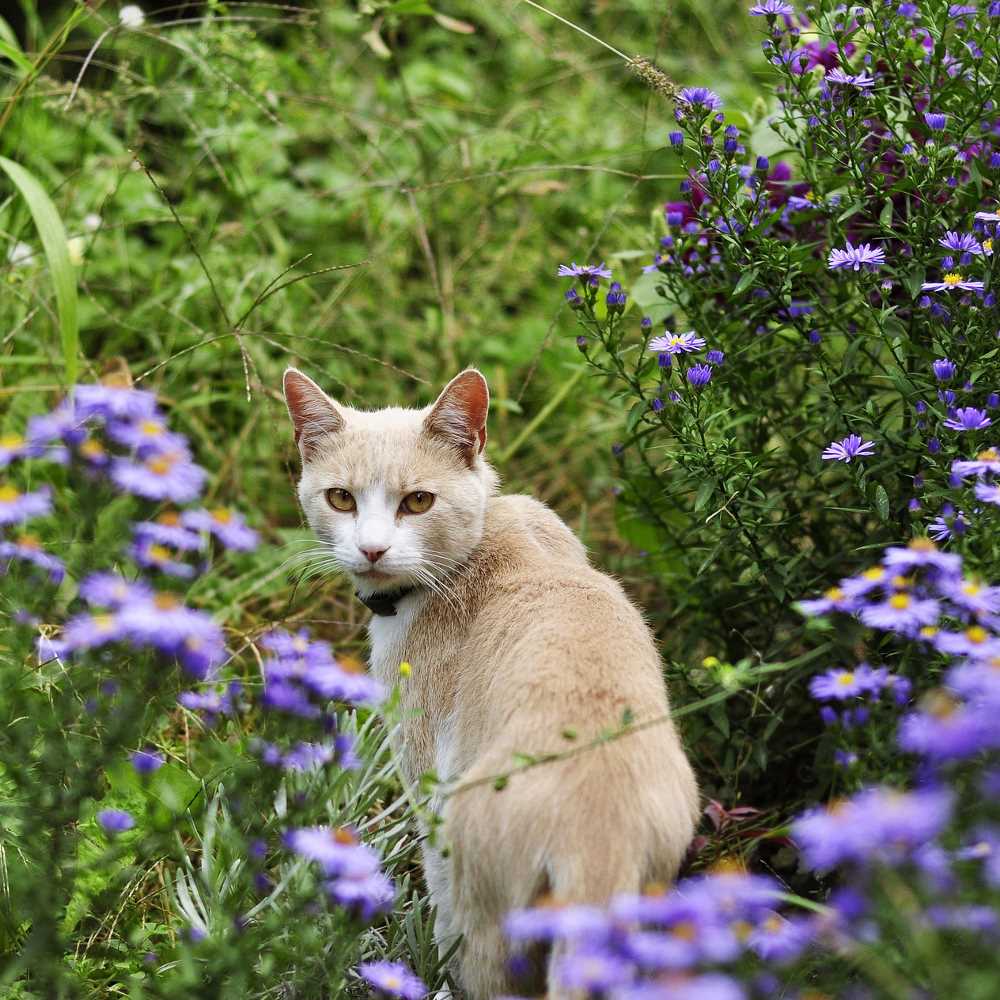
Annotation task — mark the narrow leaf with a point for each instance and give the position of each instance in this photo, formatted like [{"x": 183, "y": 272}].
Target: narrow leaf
[{"x": 53, "y": 237}]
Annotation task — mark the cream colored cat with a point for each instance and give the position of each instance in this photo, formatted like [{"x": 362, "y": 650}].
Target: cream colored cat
[{"x": 517, "y": 645}]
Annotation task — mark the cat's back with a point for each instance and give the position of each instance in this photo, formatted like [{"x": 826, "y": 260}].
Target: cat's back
[{"x": 522, "y": 530}]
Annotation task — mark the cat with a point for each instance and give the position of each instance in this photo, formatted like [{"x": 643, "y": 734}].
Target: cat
[{"x": 516, "y": 645}]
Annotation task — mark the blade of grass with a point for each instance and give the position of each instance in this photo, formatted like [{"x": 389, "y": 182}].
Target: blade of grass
[{"x": 53, "y": 237}]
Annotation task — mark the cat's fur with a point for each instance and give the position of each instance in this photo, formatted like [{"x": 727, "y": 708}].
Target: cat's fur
[{"x": 517, "y": 645}]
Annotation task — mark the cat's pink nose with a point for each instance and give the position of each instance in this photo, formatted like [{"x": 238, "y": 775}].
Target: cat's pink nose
[{"x": 373, "y": 555}]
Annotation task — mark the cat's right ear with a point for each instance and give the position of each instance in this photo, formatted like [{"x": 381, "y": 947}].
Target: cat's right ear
[{"x": 314, "y": 415}]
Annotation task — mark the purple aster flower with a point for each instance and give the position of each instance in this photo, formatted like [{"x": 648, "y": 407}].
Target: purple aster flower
[
  {"x": 778, "y": 939},
  {"x": 944, "y": 729},
  {"x": 573, "y": 299},
  {"x": 948, "y": 524},
  {"x": 226, "y": 525},
  {"x": 337, "y": 851},
  {"x": 968, "y": 418},
  {"x": 902, "y": 612},
  {"x": 148, "y": 436},
  {"x": 961, "y": 243},
  {"x": 147, "y": 761},
  {"x": 676, "y": 138},
  {"x": 112, "y": 403},
  {"x": 935, "y": 121},
  {"x": 921, "y": 553},
  {"x": 772, "y": 8},
  {"x": 28, "y": 549},
  {"x": 170, "y": 476},
  {"x": 87, "y": 631},
  {"x": 13, "y": 447},
  {"x": 167, "y": 529},
  {"x": 699, "y": 375},
  {"x": 838, "y": 685},
  {"x": 716, "y": 358},
  {"x": 677, "y": 343},
  {"x": 962, "y": 9},
  {"x": 861, "y": 80},
  {"x": 392, "y": 979},
  {"x": 176, "y": 630},
  {"x": 952, "y": 281},
  {"x": 944, "y": 370},
  {"x": 366, "y": 897},
  {"x": 988, "y": 493},
  {"x": 856, "y": 257},
  {"x": 850, "y": 447},
  {"x": 593, "y": 971},
  {"x": 212, "y": 703},
  {"x": 115, "y": 820},
  {"x": 109, "y": 590},
  {"x": 700, "y": 97},
  {"x": 16, "y": 506},
  {"x": 563, "y": 923},
  {"x": 878, "y": 824},
  {"x": 575, "y": 270},
  {"x": 152, "y": 555},
  {"x": 987, "y": 217}
]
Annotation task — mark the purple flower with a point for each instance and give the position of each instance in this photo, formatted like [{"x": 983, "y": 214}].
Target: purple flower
[
  {"x": 337, "y": 851},
  {"x": 88, "y": 631},
  {"x": 366, "y": 897},
  {"x": 174, "y": 629},
  {"x": 392, "y": 979},
  {"x": 772, "y": 8},
  {"x": 962, "y": 9},
  {"x": 921, "y": 553},
  {"x": 988, "y": 494},
  {"x": 837, "y": 685},
  {"x": 147, "y": 436},
  {"x": 952, "y": 281},
  {"x": 167, "y": 529},
  {"x": 716, "y": 358},
  {"x": 850, "y": 447},
  {"x": 112, "y": 403},
  {"x": 562, "y": 923},
  {"x": 677, "y": 343},
  {"x": 151, "y": 555},
  {"x": 575, "y": 270},
  {"x": 935, "y": 121},
  {"x": 862, "y": 80},
  {"x": 902, "y": 612},
  {"x": 856, "y": 257},
  {"x": 944, "y": 370},
  {"x": 147, "y": 761},
  {"x": 778, "y": 939},
  {"x": 700, "y": 97},
  {"x": 109, "y": 590},
  {"x": 28, "y": 549},
  {"x": 115, "y": 820},
  {"x": 593, "y": 971},
  {"x": 968, "y": 418},
  {"x": 16, "y": 506},
  {"x": 212, "y": 703},
  {"x": 13, "y": 447},
  {"x": 948, "y": 524},
  {"x": 226, "y": 525},
  {"x": 699, "y": 375},
  {"x": 676, "y": 138},
  {"x": 170, "y": 476},
  {"x": 961, "y": 243}
]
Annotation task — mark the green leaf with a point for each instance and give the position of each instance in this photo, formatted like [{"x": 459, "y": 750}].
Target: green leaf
[
  {"x": 745, "y": 281},
  {"x": 53, "y": 236},
  {"x": 704, "y": 494},
  {"x": 885, "y": 216},
  {"x": 882, "y": 502},
  {"x": 15, "y": 55}
]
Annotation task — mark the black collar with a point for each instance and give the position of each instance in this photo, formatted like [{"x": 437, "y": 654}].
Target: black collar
[{"x": 384, "y": 604}]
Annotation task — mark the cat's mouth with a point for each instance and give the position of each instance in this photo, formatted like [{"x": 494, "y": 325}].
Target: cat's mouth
[{"x": 375, "y": 575}]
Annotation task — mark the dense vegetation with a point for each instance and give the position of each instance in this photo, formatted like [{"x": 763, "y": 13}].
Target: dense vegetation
[{"x": 196, "y": 196}]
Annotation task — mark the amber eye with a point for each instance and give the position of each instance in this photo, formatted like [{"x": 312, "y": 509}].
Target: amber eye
[
  {"x": 417, "y": 503},
  {"x": 340, "y": 500}
]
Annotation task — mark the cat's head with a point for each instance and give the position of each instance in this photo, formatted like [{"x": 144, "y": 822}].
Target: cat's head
[{"x": 398, "y": 496}]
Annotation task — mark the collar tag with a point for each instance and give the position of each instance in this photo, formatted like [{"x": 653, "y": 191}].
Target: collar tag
[{"x": 384, "y": 605}]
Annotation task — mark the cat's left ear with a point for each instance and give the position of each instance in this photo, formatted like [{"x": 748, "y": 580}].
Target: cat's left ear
[{"x": 459, "y": 415}]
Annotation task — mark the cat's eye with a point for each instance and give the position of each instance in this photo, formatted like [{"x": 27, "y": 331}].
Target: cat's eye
[
  {"x": 417, "y": 503},
  {"x": 340, "y": 500}
]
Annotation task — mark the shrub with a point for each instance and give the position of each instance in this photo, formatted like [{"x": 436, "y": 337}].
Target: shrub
[
  {"x": 843, "y": 358},
  {"x": 247, "y": 817}
]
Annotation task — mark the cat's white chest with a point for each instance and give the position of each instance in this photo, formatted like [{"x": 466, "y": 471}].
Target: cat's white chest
[{"x": 387, "y": 635}]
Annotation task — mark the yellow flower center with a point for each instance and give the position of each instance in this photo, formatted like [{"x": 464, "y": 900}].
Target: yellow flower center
[
  {"x": 151, "y": 428},
  {"x": 846, "y": 679},
  {"x": 977, "y": 634},
  {"x": 91, "y": 448},
  {"x": 901, "y": 582},
  {"x": 939, "y": 703},
  {"x": 875, "y": 573},
  {"x": 741, "y": 929},
  {"x": 392, "y": 981},
  {"x": 222, "y": 515},
  {"x": 193, "y": 643},
  {"x": 8, "y": 494},
  {"x": 922, "y": 545},
  {"x": 989, "y": 455},
  {"x": 952, "y": 279},
  {"x": 104, "y": 623},
  {"x": 343, "y": 836},
  {"x": 171, "y": 519},
  {"x": 971, "y": 589},
  {"x": 160, "y": 465},
  {"x": 774, "y": 924},
  {"x": 29, "y": 542},
  {"x": 899, "y": 601},
  {"x": 299, "y": 644},
  {"x": 685, "y": 930},
  {"x": 166, "y": 602},
  {"x": 929, "y": 631},
  {"x": 350, "y": 664},
  {"x": 988, "y": 245},
  {"x": 158, "y": 553},
  {"x": 834, "y": 594},
  {"x": 11, "y": 441}
]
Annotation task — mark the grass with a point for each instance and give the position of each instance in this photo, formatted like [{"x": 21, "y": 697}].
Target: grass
[{"x": 380, "y": 198}]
